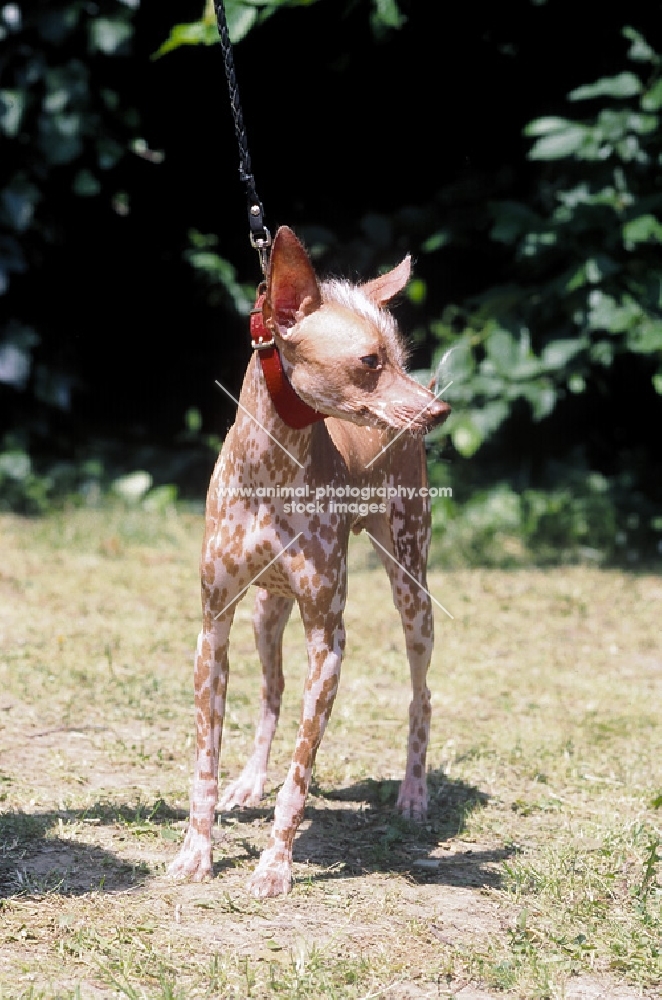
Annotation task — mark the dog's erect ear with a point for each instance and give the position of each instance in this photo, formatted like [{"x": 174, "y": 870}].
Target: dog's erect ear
[
  {"x": 386, "y": 286},
  {"x": 292, "y": 288}
]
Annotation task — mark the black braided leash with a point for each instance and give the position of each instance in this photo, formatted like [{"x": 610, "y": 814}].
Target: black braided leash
[{"x": 260, "y": 236}]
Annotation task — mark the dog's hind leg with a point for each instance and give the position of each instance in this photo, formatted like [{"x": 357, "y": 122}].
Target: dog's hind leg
[
  {"x": 269, "y": 620},
  {"x": 406, "y": 537}
]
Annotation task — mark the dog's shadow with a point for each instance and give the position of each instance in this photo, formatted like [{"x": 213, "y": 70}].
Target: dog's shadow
[
  {"x": 347, "y": 832},
  {"x": 39, "y": 856},
  {"x": 356, "y": 830}
]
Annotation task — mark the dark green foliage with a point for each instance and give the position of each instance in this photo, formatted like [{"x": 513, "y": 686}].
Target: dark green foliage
[
  {"x": 373, "y": 132},
  {"x": 65, "y": 130},
  {"x": 587, "y": 279},
  {"x": 576, "y": 334},
  {"x": 243, "y": 15},
  {"x": 67, "y": 122}
]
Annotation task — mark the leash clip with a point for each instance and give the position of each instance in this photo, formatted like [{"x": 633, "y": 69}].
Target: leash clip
[
  {"x": 262, "y": 245},
  {"x": 260, "y": 236}
]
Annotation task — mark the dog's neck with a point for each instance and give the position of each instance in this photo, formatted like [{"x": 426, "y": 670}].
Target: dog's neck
[{"x": 257, "y": 447}]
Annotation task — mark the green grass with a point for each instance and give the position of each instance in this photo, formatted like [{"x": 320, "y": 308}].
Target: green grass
[{"x": 538, "y": 870}]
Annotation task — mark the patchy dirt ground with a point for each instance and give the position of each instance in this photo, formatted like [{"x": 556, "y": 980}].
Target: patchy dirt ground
[{"x": 544, "y": 772}]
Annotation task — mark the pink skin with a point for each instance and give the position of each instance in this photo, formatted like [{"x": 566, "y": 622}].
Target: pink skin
[
  {"x": 342, "y": 353},
  {"x": 269, "y": 620}
]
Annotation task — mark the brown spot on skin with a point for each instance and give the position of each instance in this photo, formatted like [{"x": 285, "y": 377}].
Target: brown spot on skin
[
  {"x": 416, "y": 770},
  {"x": 310, "y": 730},
  {"x": 202, "y": 670},
  {"x": 300, "y": 781}
]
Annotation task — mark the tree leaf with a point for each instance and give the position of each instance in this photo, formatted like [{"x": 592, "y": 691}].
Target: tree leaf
[
  {"x": 558, "y": 353},
  {"x": 12, "y": 104},
  {"x": 623, "y": 85},
  {"x": 592, "y": 271},
  {"x": 15, "y": 465},
  {"x": 643, "y": 229},
  {"x": 456, "y": 363},
  {"x": 605, "y": 313},
  {"x": 502, "y": 350},
  {"x": 543, "y": 126},
  {"x": 59, "y": 137},
  {"x": 652, "y": 99},
  {"x": 602, "y": 353},
  {"x": 560, "y": 143},
  {"x": 465, "y": 435},
  {"x": 18, "y": 203},
  {"x": 645, "y": 337},
  {"x": 541, "y": 396},
  {"x": 640, "y": 50},
  {"x": 490, "y": 417},
  {"x": 86, "y": 184},
  {"x": 195, "y": 33},
  {"x": 417, "y": 291},
  {"x": 435, "y": 242},
  {"x": 613, "y": 125},
  {"x": 108, "y": 35},
  {"x": 241, "y": 18},
  {"x": 386, "y": 14}
]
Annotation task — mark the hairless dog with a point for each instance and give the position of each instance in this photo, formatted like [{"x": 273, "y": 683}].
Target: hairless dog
[{"x": 333, "y": 407}]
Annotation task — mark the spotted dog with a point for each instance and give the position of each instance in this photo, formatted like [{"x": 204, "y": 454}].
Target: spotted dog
[{"x": 341, "y": 353}]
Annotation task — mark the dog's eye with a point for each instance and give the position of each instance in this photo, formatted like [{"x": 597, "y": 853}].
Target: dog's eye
[{"x": 371, "y": 361}]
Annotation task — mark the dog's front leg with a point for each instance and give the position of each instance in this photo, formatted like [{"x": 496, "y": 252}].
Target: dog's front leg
[
  {"x": 325, "y": 638},
  {"x": 211, "y": 677}
]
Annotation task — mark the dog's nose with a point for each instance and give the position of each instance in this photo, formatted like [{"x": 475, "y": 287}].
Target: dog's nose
[{"x": 437, "y": 412}]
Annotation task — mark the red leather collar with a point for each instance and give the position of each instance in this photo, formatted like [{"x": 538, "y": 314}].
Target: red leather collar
[{"x": 289, "y": 407}]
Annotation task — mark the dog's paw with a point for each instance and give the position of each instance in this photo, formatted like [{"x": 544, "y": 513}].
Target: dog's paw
[
  {"x": 272, "y": 877},
  {"x": 194, "y": 859},
  {"x": 413, "y": 799},
  {"x": 245, "y": 792}
]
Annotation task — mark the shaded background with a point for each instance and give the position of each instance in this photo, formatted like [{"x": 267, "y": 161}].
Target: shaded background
[{"x": 375, "y": 129}]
